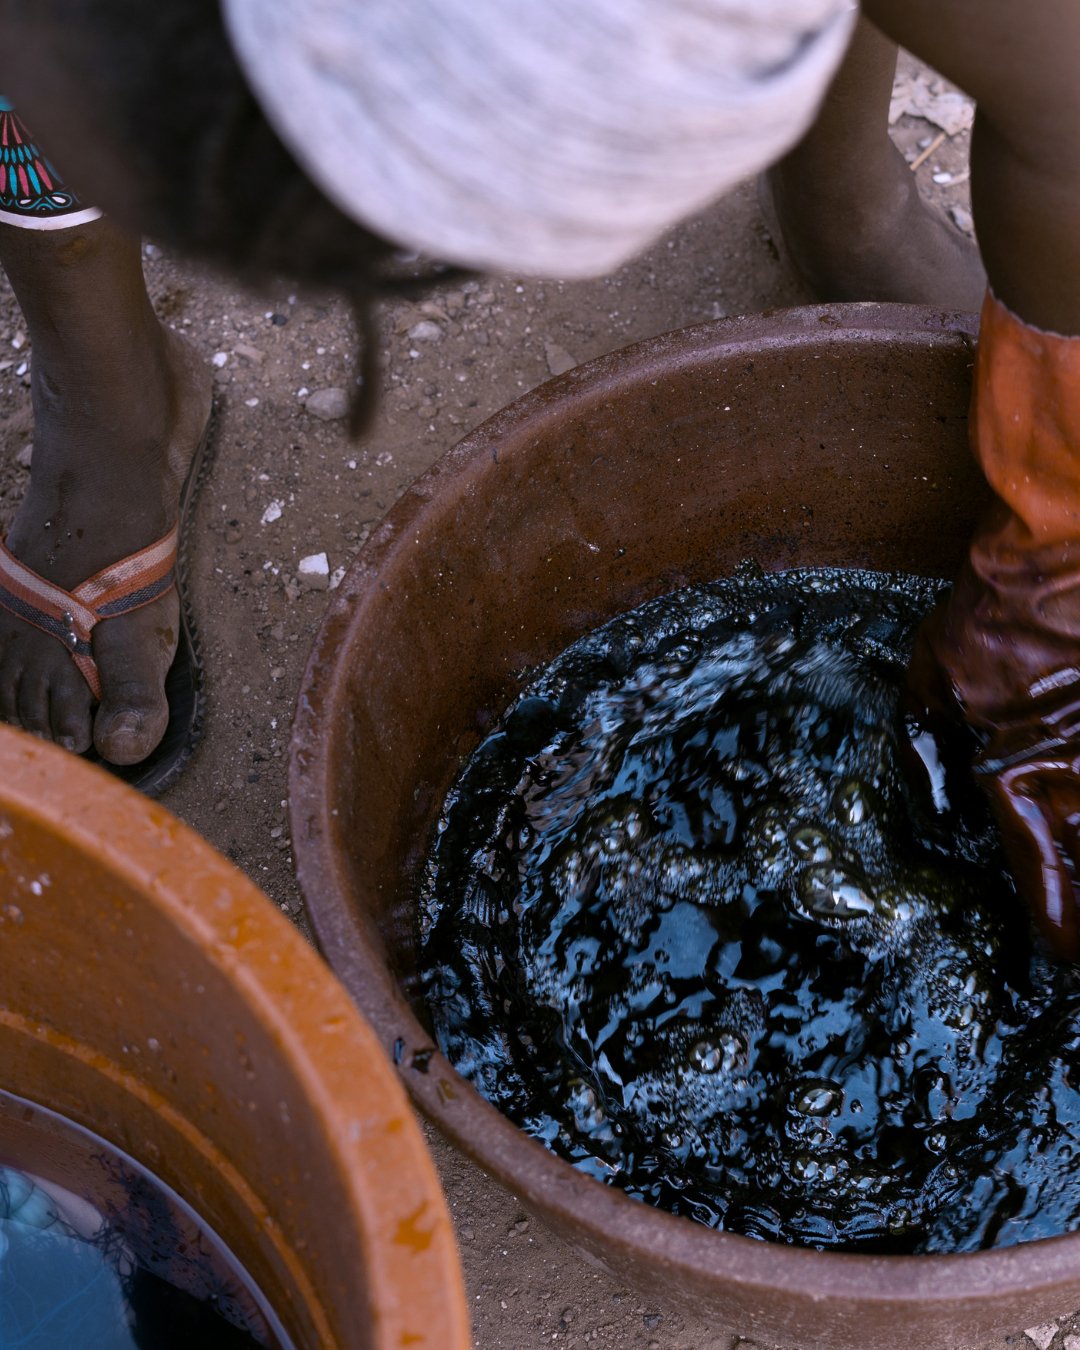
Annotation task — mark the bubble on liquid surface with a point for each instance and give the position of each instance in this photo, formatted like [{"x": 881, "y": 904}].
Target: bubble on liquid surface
[
  {"x": 832, "y": 894},
  {"x": 898, "y": 905},
  {"x": 809, "y": 844},
  {"x": 851, "y": 804},
  {"x": 806, "y": 1169},
  {"x": 818, "y": 1099},
  {"x": 706, "y": 1057},
  {"x": 620, "y": 832},
  {"x": 585, "y": 1107},
  {"x": 719, "y": 1055}
]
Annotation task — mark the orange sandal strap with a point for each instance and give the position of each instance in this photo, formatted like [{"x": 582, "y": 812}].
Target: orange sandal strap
[{"x": 71, "y": 616}]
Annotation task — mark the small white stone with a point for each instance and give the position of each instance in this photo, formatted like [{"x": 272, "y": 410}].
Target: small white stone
[
  {"x": 337, "y": 576},
  {"x": 25, "y": 455},
  {"x": 425, "y": 331},
  {"x": 251, "y": 402},
  {"x": 1043, "y": 1334},
  {"x": 272, "y": 513},
  {"x": 219, "y": 359},
  {"x": 313, "y": 572},
  {"x": 331, "y": 405},
  {"x": 559, "y": 360}
]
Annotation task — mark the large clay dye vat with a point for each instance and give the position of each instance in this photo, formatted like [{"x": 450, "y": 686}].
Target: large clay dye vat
[{"x": 822, "y": 436}]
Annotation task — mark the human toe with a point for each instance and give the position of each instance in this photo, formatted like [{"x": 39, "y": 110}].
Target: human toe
[
  {"x": 32, "y": 704},
  {"x": 70, "y": 718},
  {"x": 130, "y": 724},
  {"x": 133, "y": 656},
  {"x": 10, "y": 675}
]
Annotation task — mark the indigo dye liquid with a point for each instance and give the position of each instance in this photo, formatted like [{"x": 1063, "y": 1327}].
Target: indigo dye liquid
[
  {"x": 109, "y": 1258},
  {"x": 687, "y": 921}
]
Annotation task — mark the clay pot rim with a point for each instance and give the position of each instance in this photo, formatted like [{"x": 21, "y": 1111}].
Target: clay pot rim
[
  {"x": 520, "y": 1163},
  {"x": 384, "y": 1169}
]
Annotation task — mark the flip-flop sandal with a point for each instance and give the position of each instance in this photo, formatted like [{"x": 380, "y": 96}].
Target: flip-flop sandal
[{"x": 134, "y": 581}]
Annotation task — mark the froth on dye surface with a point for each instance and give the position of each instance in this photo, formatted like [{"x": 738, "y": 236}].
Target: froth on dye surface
[
  {"x": 115, "y": 1260},
  {"x": 686, "y": 922}
]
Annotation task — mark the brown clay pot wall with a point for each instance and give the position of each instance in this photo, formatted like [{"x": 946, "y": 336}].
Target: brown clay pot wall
[
  {"x": 152, "y": 994},
  {"x": 825, "y": 436}
]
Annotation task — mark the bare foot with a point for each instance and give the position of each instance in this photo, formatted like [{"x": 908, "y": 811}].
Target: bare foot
[
  {"x": 119, "y": 409},
  {"x": 845, "y": 208},
  {"x": 881, "y": 244}
]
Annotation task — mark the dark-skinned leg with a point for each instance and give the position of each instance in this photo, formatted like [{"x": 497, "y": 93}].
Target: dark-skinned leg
[
  {"x": 119, "y": 406},
  {"x": 847, "y": 206},
  {"x": 1019, "y": 63},
  {"x": 1004, "y": 652}
]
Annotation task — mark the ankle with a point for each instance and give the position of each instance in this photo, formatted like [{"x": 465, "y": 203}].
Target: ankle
[
  {"x": 811, "y": 201},
  {"x": 118, "y": 406}
]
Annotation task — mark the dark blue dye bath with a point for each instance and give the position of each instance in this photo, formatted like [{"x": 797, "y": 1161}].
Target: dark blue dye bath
[
  {"x": 114, "y": 1261},
  {"x": 686, "y": 922}
]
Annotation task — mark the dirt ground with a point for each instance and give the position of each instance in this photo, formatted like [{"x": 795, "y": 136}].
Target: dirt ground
[{"x": 288, "y": 484}]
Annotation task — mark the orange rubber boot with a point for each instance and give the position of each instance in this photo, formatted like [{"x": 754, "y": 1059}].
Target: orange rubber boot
[{"x": 1004, "y": 649}]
